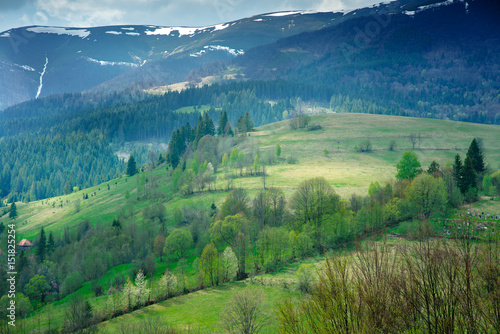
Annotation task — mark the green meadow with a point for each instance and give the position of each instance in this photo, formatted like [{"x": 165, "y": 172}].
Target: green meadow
[{"x": 329, "y": 152}]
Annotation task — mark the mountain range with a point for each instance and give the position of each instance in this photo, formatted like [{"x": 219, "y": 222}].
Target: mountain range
[{"x": 429, "y": 58}]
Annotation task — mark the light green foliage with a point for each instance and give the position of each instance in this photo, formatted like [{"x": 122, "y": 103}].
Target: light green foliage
[
  {"x": 22, "y": 306},
  {"x": 233, "y": 231},
  {"x": 209, "y": 265},
  {"x": 141, "y": 291},
  {"x": 374, "y": 188},
  {"x": 178, "y": 242},
  {"x": 272, "y": 245},
  {"x": 234, "y": 156},
  {"x": 278, "y": 150},
  {"x": 487, "y": 185},
  {"x": 312, "y": 200},
  {"x": 408, "y": 167},
  {"x": 225, "y": 160},
  {"x": 256, "y": 164},
  {"x": 195, "y": 165},
  {"x": 301, "y": 244},
  {"x": 228, "y": 265},
  {"x": 305, "y": 277},
  {"x": 427, "y": 194},
  {"x": 168, "y": 284}
]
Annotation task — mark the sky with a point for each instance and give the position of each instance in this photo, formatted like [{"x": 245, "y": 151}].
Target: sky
[{"x": 91, "y": 13}]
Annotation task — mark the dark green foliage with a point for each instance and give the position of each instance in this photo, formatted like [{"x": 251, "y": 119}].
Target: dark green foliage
[
  {"x": 223, "y": 121},
  {"x": 41, "y": 246},
  {"x": 52, "y": 162},
  {"x": 131, "y": 166},
  {"x": 433, "y": 168},
  {"x": 79, "y": 316},
  {"x": 116, "y": 224},
  {"x": 457, "y": 171},
  {"x": 476, "y": 155},
  {"x": 245, "y": 123},
  {"x": 13, "y": 211},
  {"x": 469, "y": 176},
  {"x": 50, "y": 244}
]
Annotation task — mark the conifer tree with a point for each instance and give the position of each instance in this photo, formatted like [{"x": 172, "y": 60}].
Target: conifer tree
[
  {"x": 222, "y": 124},
  {"x": 50, "y": 243},
  {"x": 131, "y": 166},
  {"x": 477, "y": 157},
  {"x": 469, "y": 176},
  {"x": 457, "y": 170},
  {"x": 41, "y": 246},
  {"x": 208, "y": 126},
  {"x": 13, "y": 211}
]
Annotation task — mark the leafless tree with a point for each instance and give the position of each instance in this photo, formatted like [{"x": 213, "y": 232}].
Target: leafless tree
[{"x": 245, "y": 313}]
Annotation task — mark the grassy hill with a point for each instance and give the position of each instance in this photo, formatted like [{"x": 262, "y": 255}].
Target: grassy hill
[{"x": 348, "y": 170}]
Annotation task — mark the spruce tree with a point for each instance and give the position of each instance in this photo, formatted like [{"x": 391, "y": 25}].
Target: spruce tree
[
  {"x": 13, "y": 211},
  {"x": 50, "y": 244},
  {"x": 41, "y": 246},
  {"x": 477, "y": 157},
  {"x": 248, "y": 122},
  {"x": 208, "y": 126},
  {"x": 131, "y": 166},
  {"x": 469, "y": 177},
  {"x": 221, "y": 130},
  {"x": 457, "y": 170}
]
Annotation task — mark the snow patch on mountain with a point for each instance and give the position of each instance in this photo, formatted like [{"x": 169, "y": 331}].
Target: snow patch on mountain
[
  {"x": 114, "y": 32},
  {"x": 426, "y": 7},
  {"x": 5, "y": 34},
  {"x": 82, "y": 33},
  {"x": 132, "y": 34},
  {"x": 283, "y": 14},
  {"x": 131, "y": 29},
  {"x": 26, "y": 67},
  {"x": 111, "y": 63},
  {"x": 435, "y": 5},
  {"x": 41, "y": 78},
  {"x": 186, "y": 31},
  {"x": 206, "y": 48}
]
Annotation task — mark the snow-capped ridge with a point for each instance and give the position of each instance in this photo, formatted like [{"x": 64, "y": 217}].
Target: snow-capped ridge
[{"x": 82, "y": 33}]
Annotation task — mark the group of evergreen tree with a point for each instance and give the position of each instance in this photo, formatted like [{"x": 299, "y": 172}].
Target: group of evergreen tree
[
  {"x": 183, "y": 137},
  {"x": 35, "y": 167},
  {"x": 469, "y": 173}
]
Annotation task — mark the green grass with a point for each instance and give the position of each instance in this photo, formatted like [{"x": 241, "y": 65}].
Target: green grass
[
  {"x": 348, "y": 171},
  {"x": 200, "y": 310},
  {"x": 201, "y": 109}
]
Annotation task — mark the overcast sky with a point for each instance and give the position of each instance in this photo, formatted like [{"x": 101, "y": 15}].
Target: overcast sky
[{"x": 89, "y": 13}]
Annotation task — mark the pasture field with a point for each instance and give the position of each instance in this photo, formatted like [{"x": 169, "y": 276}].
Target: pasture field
[{"x": 346, "y": 169}]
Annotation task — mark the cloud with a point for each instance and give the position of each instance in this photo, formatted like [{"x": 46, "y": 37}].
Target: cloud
[
  {"x": 8, "y": 5},
  {"x": 88, "y": 13}
]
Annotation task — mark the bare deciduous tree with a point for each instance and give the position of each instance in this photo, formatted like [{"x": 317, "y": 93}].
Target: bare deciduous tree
[{"x": 245, "y": 313}]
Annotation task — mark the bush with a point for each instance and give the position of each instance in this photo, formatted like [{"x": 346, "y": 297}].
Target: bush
[
  {"x": 291, "y": 159},
  {"x": 365, "y": 146},
  {"x": 314, "y": 127}
]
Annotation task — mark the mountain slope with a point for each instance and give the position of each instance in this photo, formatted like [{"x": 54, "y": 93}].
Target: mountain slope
[
  {"x": 78, "y": 59},
  {"x": 427, "y": 58}
]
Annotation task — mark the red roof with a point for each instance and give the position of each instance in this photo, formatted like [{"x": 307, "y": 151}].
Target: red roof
[{"x": 25, "y": 243}]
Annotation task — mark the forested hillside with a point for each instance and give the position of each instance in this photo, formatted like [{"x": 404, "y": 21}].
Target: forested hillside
[{"x": 423, "y": 60}]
